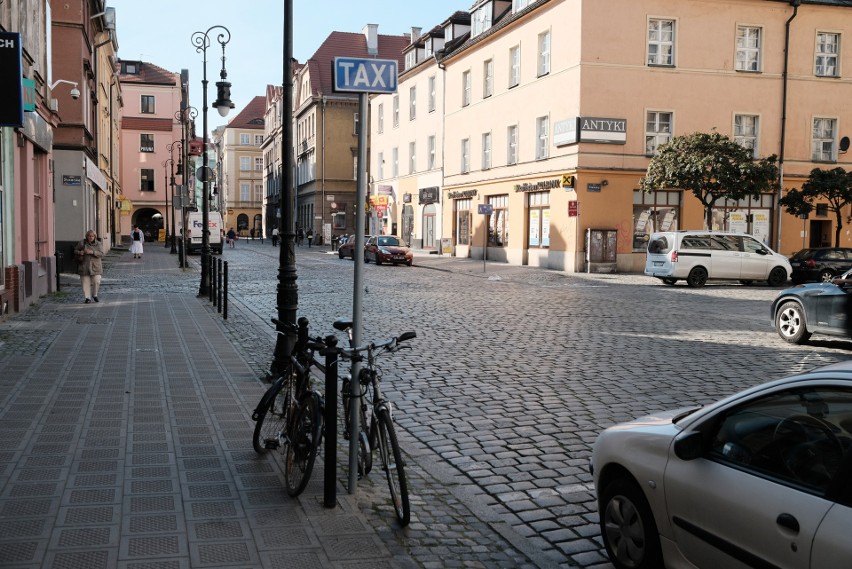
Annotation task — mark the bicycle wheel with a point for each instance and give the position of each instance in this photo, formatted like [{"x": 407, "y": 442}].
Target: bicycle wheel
[
  {"x": 303, "y": 436},
  {"x": 269, "y": 418},
  {"x": 394, "y": 467}
]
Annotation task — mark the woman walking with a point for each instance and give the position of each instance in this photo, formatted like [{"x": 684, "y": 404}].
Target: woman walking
[
  {"x": 136, "y": 240},
  {"x": 88, "y": 253}
]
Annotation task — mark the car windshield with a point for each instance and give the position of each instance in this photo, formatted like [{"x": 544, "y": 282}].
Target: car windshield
[{"x": 390, "y": 241}]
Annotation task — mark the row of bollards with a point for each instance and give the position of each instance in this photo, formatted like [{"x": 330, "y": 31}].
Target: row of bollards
[{"x": 218, "y": 289}]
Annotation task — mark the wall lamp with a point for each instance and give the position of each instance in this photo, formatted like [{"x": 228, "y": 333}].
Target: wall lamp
[{"x": 75, "y": 92}]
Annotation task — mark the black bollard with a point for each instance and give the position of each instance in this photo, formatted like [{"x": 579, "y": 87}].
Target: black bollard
[
  {"x": 210, "y": 289},
  {"x": 225, "y": 290},
  {"x": 219, "y": 287},
  {"x": 58, "y": 265},
  {"x": 330, "y": 474},
  {"x": 214, "y": 294}
]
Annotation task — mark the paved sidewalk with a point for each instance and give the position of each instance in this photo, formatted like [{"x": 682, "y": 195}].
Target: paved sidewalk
[{"x": 125, "y": 440}]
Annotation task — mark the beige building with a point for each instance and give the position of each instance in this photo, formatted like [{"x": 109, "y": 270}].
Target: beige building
[
  {"x": 553, "y": 109},
  {"x": 272, "y": 159},
  {"x": 241, "y": 185},
  {"x": 149, "y": 128}
]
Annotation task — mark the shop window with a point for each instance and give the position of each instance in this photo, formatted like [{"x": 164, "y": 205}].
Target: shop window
[
  {"x": 538, "y": 218},
  {"x": 462, "y": 208},
  {"x": 652, "y": 212},
  {"x": 498, "y": 221}
]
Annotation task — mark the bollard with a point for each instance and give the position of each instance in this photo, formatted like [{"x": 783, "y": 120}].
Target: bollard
[
  {"x": 225, "y": 291},
  {"x": 219, "y": 287},
  {"x": 214, "y": 294},
  {"x": 330, "y": 474},
  {"x": 58, "y": 264},
  {"x": 210, "y": 289}
]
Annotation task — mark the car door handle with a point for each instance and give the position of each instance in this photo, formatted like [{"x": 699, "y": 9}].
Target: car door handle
[{"x": 788, "y": 521}]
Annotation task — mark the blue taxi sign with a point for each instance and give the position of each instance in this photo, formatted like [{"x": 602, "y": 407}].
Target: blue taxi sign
[{"x": 361, "y": 75}]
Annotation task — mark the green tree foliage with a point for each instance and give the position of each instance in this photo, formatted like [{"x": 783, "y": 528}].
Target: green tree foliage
[
  {"x": 832, "y": 186},
  {"x": 712, "y": 166}
]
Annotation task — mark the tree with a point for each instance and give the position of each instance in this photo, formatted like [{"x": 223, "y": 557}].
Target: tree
[
  {"x": 833, "y": 186},
  {"x": 712, "y": 166}
]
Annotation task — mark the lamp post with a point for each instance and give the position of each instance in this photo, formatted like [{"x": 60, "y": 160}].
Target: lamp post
[
  {"x": 288, "y": 292},
  {"x": 166, "y": 191},
  {"x": 201, "y": 41},
  {"x": 170, "y": 147},
  {"x": 186, "y": 117}
]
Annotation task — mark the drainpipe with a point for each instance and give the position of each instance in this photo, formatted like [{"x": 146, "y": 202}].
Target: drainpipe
[
  {"x": 322, "y": 181},
  {"x": 439, "y": 61},
  {"x": 795, "y": 4}
]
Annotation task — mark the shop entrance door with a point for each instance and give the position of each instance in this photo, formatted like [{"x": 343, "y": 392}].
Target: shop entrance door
[{"x": 429, "y": 226}]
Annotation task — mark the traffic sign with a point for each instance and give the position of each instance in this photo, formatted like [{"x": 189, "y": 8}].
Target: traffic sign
[
  {"x": 361, "y": 75},
  {"x": 486, "y": 208}
]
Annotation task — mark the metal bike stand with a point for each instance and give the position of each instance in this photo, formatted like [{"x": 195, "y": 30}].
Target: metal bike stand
[{"x": 330, "y": 474}]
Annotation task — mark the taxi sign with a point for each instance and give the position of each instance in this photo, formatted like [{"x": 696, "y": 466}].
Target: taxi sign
[{"x": 361, "y": 75}]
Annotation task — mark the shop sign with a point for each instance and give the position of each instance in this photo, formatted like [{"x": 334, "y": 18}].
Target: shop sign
[
  {"x": 406, "y": 198},
  {"x": 593, "y": 187},
  {"x": 429, "y": 195},
  {"x": 72, "y": 180},
  {"x": 12, "y": 109},
  {"x": 600, "y": 130},
  {"x": 460, "y": 195},
  {"x": 539, "y": 186},
  {"x": 573, "y": 209}
]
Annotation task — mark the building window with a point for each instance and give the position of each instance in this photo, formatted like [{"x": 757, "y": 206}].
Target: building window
[
  {"x": 465, "y": 156},
  {"x": 258, "y": 193},
  {"x": 147, "y": 104},
  {"x": 432, "y": 82},
  {"x": 396, "y": 111},
  {"x": 258, "y": 164},
  {"x": 412, "y": 157},
  {"x": 146, "y": 179},
  {"x": 431, "y": 143},
  {"x": 356, "y": 125},
  {"x": 481, "y": 19},
  {"x": 245, "y": 163},
  {"x": 412, "y": 103},
  {"x": 538, "y": 218},
  {"x": 822, "y": 140},
  {"x": 245, "y": 194},
  {"x": 244, "y": 139},
  {"x": 465, "y": 88},
  {"x": 498, "y": 221},
  {"x": 542, "y": 136},
  {"x": 380, "y": 118},
  {"x": 544, "y": 53},
  {"x": 487, "y": 78},
  {"x": 518, "y": 5},
  {"x": 512, "y": 144},
  {"x": 411, "y": 58},
  {"x": 748, "y": 48},
  {"x": 652, "y": 212},
  {"x": 658, "y": 130},
  {"x": 746, "y": 131},
  {"x": 395, "y": 162},
  {"x": 338, "y": 218},
  {"x": 514, "y": 66},
  {"x": 258, "y": 139},
  {"x": 146, "y": 143},
  {"x": 462, "y": 220},
  {"x": 381, "y": 165},
  {"x": 827, "y": 52},
  {"x": 661, "y": 42},
  {"x": 486, "y": 150}
]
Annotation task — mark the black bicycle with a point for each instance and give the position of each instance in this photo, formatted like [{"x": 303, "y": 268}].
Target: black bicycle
[
  {"x": 290, "y": 414},
  {"x": 376, "y": 429}
]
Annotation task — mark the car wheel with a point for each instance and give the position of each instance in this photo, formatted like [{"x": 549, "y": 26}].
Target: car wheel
[
  {"x": 777, "y": 277},
  {"x": 409, "y": 263},
  {"x": 697, "y": 277},
  {"x": 669, "y": 281},
  {"x": 627, "y": 526},
  {"x": 790, "y": 323},
  {"x": 378, "y": 259},
  {"x": 341, "y": 255},
  {"x": 825, "y": 276},
  {"x": 366, "y": 258}
]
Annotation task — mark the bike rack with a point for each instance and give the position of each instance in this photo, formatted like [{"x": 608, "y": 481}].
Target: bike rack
[{"x": 330, "y": 474}]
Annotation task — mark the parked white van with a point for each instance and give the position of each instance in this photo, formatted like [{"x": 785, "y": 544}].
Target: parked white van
[
  {"x": 696, "y": 256},
  {"x": 192, "y": 242}
]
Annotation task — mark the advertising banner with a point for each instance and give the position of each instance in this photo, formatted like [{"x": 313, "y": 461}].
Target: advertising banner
[{"x": 12, "y": 109}]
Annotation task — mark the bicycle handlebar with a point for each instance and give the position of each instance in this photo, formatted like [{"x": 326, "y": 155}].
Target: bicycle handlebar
[{"x": 388, "y": 345}]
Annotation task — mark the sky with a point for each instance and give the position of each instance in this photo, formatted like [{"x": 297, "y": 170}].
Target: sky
[{"x": 160, "y": 32}]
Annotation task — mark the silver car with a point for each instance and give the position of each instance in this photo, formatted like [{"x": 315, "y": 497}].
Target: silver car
[{"x": 760, "y": 479}]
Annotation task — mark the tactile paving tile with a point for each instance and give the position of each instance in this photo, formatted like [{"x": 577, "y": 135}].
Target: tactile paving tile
[
  {"x": 339, "y": 524},
  {"x": 352, "y": 547},
  {"x": 18, "y": 552},
  {"x": 33, "y": 474},
  {"x": 152, "y": 458},
  {"x": 45, "y": 461},
  {"x": 153, "y": 524},
  {"x": 145, "y": 437},
  {"x": 193, "y": 431},
  {"x": 267, "y": 498},
  {"x": 84, "y": 537},
  {"x": 218, "y": 530},
  {"x": 153, "y": 546},
  {"x": 29, "y": 490},
  {"x": 105, "y": 424},
  {"x": 165, "y": 564},
  {"x": 205, "y": 450},
  {"x": 139, "y": 504},
  {"x": 60, "y": 437},
  {"x": 150, "y": 486},
  {"x": 100, "y": 453},
  {"x": 222, "y": 553},
  {"x": 98, "y": 466},
  {"x": 81, "y": 560},
  {"x": 89, "y": 516},
  {"x": 278, "y": 516},
  {"x": 202, "y": 491},
  {"x": 83, "y": 480},
  {"x": 50, "y": 448},
  {"x": 275, "y": 538},
  {"x": 150, "y": 427},
  {"x": 254, "y": 467},
  {"x": 92, "y": 496},
  {"x": 151, "y": 472},
  {"x": 289, "y": 560},
  {"x": 195, "y": 439},
  {"x": 21, "y": 528},
  {"x": 205, "y": 476},
  {"x": 201, "y": 463},
  {"x": 20, "y": 508}
]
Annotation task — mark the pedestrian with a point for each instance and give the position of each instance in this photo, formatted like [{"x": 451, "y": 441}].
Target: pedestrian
[
  {"x": 300, "y": 235},
  {"x": 136, "y": 240},
  {"x": 275, "y": 236},
  {"x": 259, "y": 234},
  {"x": 232, "y": 237},
  {"x": 251, "y": 232},
  {"x": 88, "y": 253},
  {"x": 310, "y": 236}
]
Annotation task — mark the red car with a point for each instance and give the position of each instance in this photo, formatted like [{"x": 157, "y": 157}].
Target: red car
[
  {"x": 387, "y": 249},
  {"x": 348, "y": 248}
]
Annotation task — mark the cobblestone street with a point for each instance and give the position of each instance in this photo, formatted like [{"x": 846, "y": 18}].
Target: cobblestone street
[{"x": 513, "y": 374}]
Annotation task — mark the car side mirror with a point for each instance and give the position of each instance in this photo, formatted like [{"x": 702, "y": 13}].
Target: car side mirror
[{"x": 689, "y": 445}]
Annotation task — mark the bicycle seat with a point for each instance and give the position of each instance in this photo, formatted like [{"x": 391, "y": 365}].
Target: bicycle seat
[{"x": 342, "y": 325}]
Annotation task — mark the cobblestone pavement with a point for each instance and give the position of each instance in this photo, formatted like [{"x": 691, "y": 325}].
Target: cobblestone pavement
[{"x": 514, "y": 372}]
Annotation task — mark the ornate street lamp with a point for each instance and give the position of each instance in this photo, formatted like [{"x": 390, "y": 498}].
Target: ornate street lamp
[
  {"x": 170, "y": 147},
  {"x": 186, "y": 117},
  {"x": 201, "y": 41}
]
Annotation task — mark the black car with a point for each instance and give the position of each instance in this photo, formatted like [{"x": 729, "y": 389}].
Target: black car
[
  {"x": 816, "y": 308},
  {"x": 820, "y": 264}
]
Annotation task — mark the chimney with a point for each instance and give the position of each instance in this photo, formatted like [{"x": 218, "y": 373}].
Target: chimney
[
  {"x": 415, "y": 34},
  {"x": 371, "y": 32}
]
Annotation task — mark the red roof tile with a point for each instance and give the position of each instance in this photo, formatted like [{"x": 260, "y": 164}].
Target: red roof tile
[
  {"x": 149, "y": 74},
  {"x": 252, "y": 115}
]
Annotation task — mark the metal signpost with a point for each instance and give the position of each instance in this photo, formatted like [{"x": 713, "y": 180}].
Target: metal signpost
[
  {"x": 485, "y": 209},
  {"x": 362, "y": 76}
]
